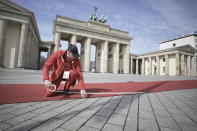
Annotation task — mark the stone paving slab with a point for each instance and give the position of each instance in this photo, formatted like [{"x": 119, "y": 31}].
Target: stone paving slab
[{"x": 161, "y": 111}]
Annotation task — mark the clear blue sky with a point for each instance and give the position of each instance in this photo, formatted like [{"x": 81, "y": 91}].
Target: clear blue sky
[{"x": 147, "y": 21}]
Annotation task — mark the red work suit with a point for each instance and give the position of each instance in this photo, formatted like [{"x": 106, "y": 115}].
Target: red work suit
[{"x": 59, "y": 64}]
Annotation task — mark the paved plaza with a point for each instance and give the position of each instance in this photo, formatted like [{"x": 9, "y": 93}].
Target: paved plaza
[
  {"x": 165, "y": 111},
  {"x": 161, "y": 111}
]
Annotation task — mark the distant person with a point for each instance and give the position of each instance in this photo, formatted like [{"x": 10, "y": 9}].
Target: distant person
[{"x": 64, "y": 63}]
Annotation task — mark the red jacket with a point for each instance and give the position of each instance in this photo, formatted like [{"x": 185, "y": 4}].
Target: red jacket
[{"x": 58, "y": 64}]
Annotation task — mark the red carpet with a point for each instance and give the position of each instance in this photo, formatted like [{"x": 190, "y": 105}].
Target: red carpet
[{"x": 14, "y": 93}]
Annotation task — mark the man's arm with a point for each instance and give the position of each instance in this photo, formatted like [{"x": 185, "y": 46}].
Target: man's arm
[
  {"x": 80, "y": 78},
  {"x": 48, "y": 65}
]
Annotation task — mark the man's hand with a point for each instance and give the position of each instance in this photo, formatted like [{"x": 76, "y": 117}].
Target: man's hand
[
  {"x": 83, "y": 94},
  {"x": 49, "y": 85}
]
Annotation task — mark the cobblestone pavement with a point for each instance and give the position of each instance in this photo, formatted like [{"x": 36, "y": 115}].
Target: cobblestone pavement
[{"x": 165, "y": 111}]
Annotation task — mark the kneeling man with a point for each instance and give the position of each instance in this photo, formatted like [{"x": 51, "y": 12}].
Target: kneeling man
[{"x": 64, "y": 62}]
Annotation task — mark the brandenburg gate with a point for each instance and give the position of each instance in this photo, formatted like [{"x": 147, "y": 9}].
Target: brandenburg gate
[{"x": 112, "y": 45}]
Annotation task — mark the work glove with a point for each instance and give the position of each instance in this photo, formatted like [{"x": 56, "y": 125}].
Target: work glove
[{"x": 83, "y": 94}]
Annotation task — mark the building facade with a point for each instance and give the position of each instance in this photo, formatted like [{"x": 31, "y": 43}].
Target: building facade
[
  {"x": 20, "y": 42},
  {"x": 20, "y": 46},
  {"x": 112, "y": 45},
  {"x": 190, "y": 39},
  {"x": 172, "y": 62}
]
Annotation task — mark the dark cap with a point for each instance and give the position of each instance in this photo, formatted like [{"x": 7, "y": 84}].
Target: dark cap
[{"x": 73, "y": 49}]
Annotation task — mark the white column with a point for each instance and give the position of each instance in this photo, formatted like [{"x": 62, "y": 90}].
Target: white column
[
  {"x": 126, "y": 60},
  {"x": 104, "y": 57},
  {"x": 73, "y": 39},
  {"x": 158, "y": 65},
  {"x": 3, "y": 29},
  {"x": 116, "y": 57},
  {"x": 177, "y": 64},
  {"x": 49, "y": 52},
  {"x": 137, "y": 67},
  {"x": 34, "y": 56},
  {"x": 193, "y": 59},
  {"x": 57, "y": 41},
  {"x": 182, "y": 64},
  {"x": 150, "y": 66},
  {"x": 21, "y": 53},
  {"x": 87, "y": 48},
  {"x": 166, "y": 65},
  {"x": 143, "y": 66},
  {"x": 131, "y": 65},
  {"x": 188, "y": 65}
]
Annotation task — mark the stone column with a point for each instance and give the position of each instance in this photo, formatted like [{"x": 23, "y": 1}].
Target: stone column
[
  {"x": 104, "y": 57},
  {"x": 158, "y": 65},
  {"x": 188, "y": 65},
  {"x": 49, "y": 53},
  {"x": 21, "y": 53},
  {"x": 193, "y": 59},
  {"x": 166, "y": 65},
  {"x": 73, "y": 39},
  {"x": 150, "y": 66},
  {"x": 131, "y": 65},
  {"x": 126, "y": 60},
  {"x": 143, "y": 70},
  {"x": 177, "y": 64},
  {"x": 3, "y": 30},
  {"x": 137, "y": 67},
  {"x": 116, "y": 57},
  {"x": 182, "y": 64},
  {"x": 38, "y": 66},
  {"x": 57, "y": 41},
  {"x": 87, "y": 51}
]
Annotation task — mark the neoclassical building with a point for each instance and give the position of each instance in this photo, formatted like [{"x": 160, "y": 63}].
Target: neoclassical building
[
  {"x": 112, "y": 45},
  {"x": 20, "y": 45},
  {"x": 179, "y": 60}
]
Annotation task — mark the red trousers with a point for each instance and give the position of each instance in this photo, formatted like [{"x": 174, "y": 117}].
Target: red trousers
[{"x": 69, "y": 82}]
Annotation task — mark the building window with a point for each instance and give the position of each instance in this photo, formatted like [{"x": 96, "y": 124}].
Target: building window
[
  {"x": 99, "y": 54},
  {"x": 99, "y": 47},
  {"x": 120, "y": 50},
  {"x": 110, "y": 49},
  {"x": 163, "y": 59},
  {"x": 174, "y": 44},
  {"x": 110, "y": 55}
]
